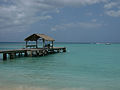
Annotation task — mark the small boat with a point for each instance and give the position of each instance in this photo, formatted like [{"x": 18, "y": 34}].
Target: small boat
[{"x": 107, "y": 43}]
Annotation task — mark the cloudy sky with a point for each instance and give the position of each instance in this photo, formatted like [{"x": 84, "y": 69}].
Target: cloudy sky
[{"x": 64, "y": 20}]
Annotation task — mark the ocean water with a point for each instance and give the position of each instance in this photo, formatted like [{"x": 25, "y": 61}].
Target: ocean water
[{"x": 82, "y": 67}]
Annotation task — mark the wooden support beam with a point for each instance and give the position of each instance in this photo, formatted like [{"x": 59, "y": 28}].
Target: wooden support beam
[
  {"x": 58, "y": 50},
  {"x": 43, "y": 43},
  {"x": 37, "y": 53},
  {"x": 19, "y": 54},
  {"x": 4, "y": 56},
  {"x": 31, "y": 53},
  {"x": 15, "y": 54},
  {"x": 52, "y": 44},
  {"x": 25, "y": 54},
  {"x": 43, "y": 52},
  {"x": 64, "y": 50},
  {"x": 12, "y": 55},
  {"x": 36, "y": 44}
]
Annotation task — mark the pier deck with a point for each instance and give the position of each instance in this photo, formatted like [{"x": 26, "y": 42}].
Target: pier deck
[{"x": 30, "y": 52}]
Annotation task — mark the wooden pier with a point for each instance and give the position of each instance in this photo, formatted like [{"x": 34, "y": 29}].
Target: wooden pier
[
  {"x": 34, "y": 49},
  {"x": 30, "y": 52}
]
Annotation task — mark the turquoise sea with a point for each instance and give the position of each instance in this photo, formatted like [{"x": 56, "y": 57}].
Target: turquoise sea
[{"x": 82, "y": 67}]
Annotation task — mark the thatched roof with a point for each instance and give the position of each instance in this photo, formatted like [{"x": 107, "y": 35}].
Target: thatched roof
[{"x": 35, "y": 37}]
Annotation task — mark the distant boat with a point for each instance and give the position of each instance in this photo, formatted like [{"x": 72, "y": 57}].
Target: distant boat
[
  {"x": 98, "y": 43},
  {"x": 107, "y": 43}
]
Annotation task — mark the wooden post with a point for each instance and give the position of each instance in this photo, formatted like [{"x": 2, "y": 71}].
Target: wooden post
[
  {"x": 52, "y": 44},
  {"x": 64, "y": 50},
  {"x": 37, "y": 53},
  {"x": 12, "y": 55},
  {"x": 18, "y": 54},
  {"x": 58, "y": 50},
  {"x": 43, "y": 43},
  {"x": 21, "y": 54},
  {"x": 36, "y": 44},
  {"x": 4, "y": 56},
  {"x": 43, "y": 52},
  {"x": 40, "y": 52},
  {"x": 31, "y": 53},
  {"x": 26, "y": 54}
]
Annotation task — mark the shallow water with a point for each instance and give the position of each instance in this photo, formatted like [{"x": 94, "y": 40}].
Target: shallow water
[{"x": 82, "y": 67}]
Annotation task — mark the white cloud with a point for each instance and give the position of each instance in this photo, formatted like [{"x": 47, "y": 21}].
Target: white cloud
[
  {"x": 110, "y": 5},
  {"x": 78, "y": 25},
  {"x": 89, "y": 14},
  {"x": 113, "y": 8},
  {"x": 113, "y": 13},
  {"x": 17, "y": 13},
  {"x": 94, "y": 20},
  {"x": 74, "y": 2}
]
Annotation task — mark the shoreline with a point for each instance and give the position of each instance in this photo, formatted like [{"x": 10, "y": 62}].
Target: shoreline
[{"x": 39, "y": 88}]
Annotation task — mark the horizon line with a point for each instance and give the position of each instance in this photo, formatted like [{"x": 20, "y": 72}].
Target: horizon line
[{"x": 64, "y": 42}]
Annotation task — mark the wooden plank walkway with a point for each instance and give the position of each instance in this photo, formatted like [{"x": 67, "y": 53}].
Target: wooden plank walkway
[{"x": 30, "y": 52}]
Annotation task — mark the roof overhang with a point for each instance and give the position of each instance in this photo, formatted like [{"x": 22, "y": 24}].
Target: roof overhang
[{"x": 35, "y": 37}]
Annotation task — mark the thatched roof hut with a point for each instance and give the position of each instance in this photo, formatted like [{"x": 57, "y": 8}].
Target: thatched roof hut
[{"x": 36, "y": 37}]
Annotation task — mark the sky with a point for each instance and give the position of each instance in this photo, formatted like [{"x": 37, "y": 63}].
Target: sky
[{"x": 64, "y": 20}]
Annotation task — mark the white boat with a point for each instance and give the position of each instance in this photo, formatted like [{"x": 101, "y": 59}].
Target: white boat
[{"x": 107, "y": 43}]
